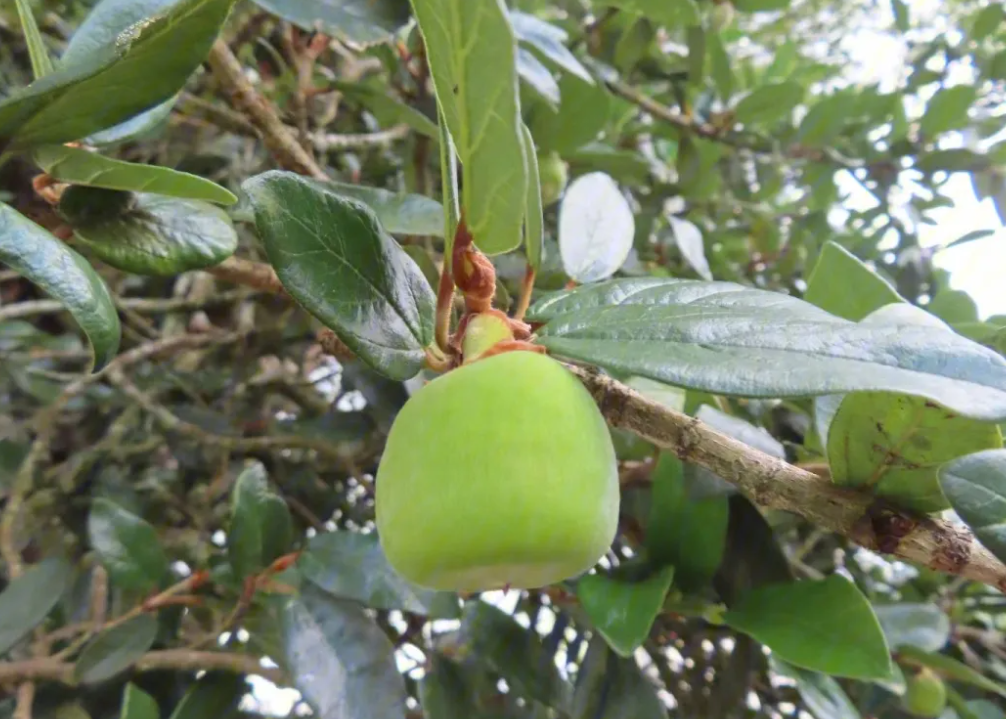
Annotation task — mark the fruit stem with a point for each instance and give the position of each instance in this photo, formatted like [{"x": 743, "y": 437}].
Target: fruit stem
[
  {"x": 525, "y": 293},
  {"x": 436, "y": 361}
]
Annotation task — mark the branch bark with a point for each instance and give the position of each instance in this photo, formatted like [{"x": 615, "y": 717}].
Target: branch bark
[{"x": 775, "y": 484}]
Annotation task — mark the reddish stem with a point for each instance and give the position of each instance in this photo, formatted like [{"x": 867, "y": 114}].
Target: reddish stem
[{"x": 525, "y": 293}]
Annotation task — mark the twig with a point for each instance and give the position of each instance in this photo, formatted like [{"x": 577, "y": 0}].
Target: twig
[
  {"x": 326, "y": 141},
  {"x": 257, "y": 275},
  {"x": 773, "y": 483},
  {"x": 142, "y": 305},
  {"x": 222, "y": 117}
]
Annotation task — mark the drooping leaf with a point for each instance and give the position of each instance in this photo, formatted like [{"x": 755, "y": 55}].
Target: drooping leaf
[
  {"x": 596, "y": 228},
  {"x": 949, "y": 668},
  {"x": 769, "y": 103},
  {"x": 339, "y": 659},
  {"x": 822, "y": 695},
  {"x": 538, "y": 77},
  {"x": 350, "y": 565},
  {"x": 260, "y": 530},
  {"x": 358, "y": 20},
  {"x": 65, "y": 275},
  {"x": 471, "y": 50},
  {"x": 388, "y": 109},
  {"x": 549, "y": 40},
  {"x": 127, "y": 546},
  {"x": 137, "y": 704},
  {"x": 146, "y": 64},
  {"x": 335, "y": 259},
  {"x": 149, "y": 234},
  {"x": 728, "y": 339},
  {"x": 26, "y": 601},
  {"x": 843, "y": 285},
  {"x": 610, "y": 687},
  {"x": 534, "y": 221},
  {"x": 975, "y": 486},
  {"x": 688, "y": 239},
  {"x": 947, "y": 110},
  {"x": 826, "y": 626},
  {"x": 80, "y": 167},
  {"x": 116, "y": 649},
  {"x": 925, "y": 626},
  {"x": 622, "y": 609},
  {"x": 215, "y": 695}
]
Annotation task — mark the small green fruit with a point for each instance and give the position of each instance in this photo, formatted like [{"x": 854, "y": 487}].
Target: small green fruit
[
  {"x": 553, "y": 175},
  {"x": 925, "y": 695},
  {"x": 498, "y": 474},
  {"x": 482, "y": 333}
]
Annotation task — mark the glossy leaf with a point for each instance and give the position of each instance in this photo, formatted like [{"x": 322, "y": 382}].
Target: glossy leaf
[
  {"x": 359, "y": 20},
  {"x": 26, "y": 601},
  {"x": 975, "y": 486},
  {"x": 80, "y": 167},
  {"x": 215, "y": 695},
  {"x": 822, "y": 695},
  {"x": 115, "y": 650},
  {"x": 769, "y": 103},
  {"x": 388, "y": 109},
  {"x": 950, "y": 669},
  {"x": 149, "y": 234},
  {"x": 688, "y": 239},
  {"x": 147, "y": 64},
  {"x": 64, "y": 275},
  {"x": 610, "y": 687},
  {"x": 339, "y": 659},
  {"x": 260, "y": 530},
  {"x": 335, "y": 259},
  {"x": 127, "y": 546},
  {"x": 925, "y": 626},
  {"x": 137, "y": 704},
  {"x": 724, "y": 338},
  {"x": 623, "y": 609},
  {"x": 596, "y": 228},
  {"x": 353, "y": 566},
  {"x": 826, "y": 626},
  {"x": 398, "y": 213},
  {"x": 843, "y": 285},
  {"x": 893, "y": 445},
  {"x": 471, "y": 50},
  {"x": 534, "y": 221},
  {"x": 549, "y": 40},
  {"x": 947, "y": 110}
]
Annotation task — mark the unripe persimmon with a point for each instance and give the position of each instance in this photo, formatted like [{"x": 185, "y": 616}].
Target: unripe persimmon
[
  {"x": 925, "y": 694},
  {"x": 500, "y": 473},
  {"x": 553, "y": 175}
]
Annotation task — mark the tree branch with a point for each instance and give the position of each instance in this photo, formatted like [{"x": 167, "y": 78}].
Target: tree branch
[
  {"x": 256, "y": 275},
  {"x": 775, "y": 484}
]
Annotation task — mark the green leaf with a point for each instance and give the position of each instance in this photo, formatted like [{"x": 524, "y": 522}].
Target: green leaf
[
  {"x": 216, "y": 695},
  {"x": 134, "y": 128},
  {"x": 843, "y": 285},
  {"x": 685, "y": 532},
  {"x": 822, "y": 696},
  {"x": 63, "y": 274},
  {"x": 26, "y": 601},
  {"x": 626, "y": 166},
  {"x": 987, "y": 20},
  {"x": 583, "y": 112},
  {"x": 538, "y": 77},
  {"x": 596, "y": 228},
  {"x": 399, "y": 213},
  {"x": 137, "y": 704},
  {"x": 353, "y": 566},
  {"x": 825, "y": 120},
  {"x": 549, "y": 40},
  {"x": 958, "y": 159},
  {"x": 81, "y": 167},
  {"x": 260, "y": 529},
  {"x": 127, "y": 546},
  {"x": 696, "y": 41},
  {"x": 728, "y": 339},
  {"x": 143, "y": 67},
  {"x": 672, "y": 13},
  {"x": 388, "y": 109},
  {"x": 363, "y": 21},
  {"x": 688, "y": 239},
  {"x": 610, "y": 687},
  {"x": 925, "y": 626},
  {"x": 953, "y": 306},
  {"x": 902, "y": 19},
  {"x": 947, "y": 110},
  {"x": 534, "y": 221},
  {"x": 517, "y": 654},
  {"x": 893, "y": 445},
  {"x": 949, "y": 668},
  {"x": 339, "y": 659},
  {"x": 335, "y": 259},
  {"x": 623, "y": 609},
  {"x": 719, "y": 62},
  {"x": 975, "y": 486},
  {"x": 768, "y": 103},
  {"x": 445, "y": 692},
  {"x": 115, "y": 649},
  {"x": 148, "y": 234},
  {"x": 826, "y": 626},
  {"x": 983, "y": 709},
  {"x": 760, "y": 5},
  {"x": 41, "y": 63},
  {"x": 471, "y": 50}
]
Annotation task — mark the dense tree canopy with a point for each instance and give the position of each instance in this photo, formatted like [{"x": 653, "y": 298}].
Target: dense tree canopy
[{"x": 237, "y": 237}]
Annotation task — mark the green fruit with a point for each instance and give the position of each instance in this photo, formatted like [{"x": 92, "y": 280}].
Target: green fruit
[
  {"x": 498, "y": 474},
  {"x": 484, "y": 331},
  {"x": 925, "y": 695},
  {"x": 553, "y": 175}
]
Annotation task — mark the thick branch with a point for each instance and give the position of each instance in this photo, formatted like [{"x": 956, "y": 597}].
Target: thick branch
[{"x": 776, "y": 484}]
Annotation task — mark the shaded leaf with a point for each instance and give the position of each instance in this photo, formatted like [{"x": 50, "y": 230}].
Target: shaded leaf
[
  {"x": 583, "y": 112},
  {"x": 688, "y": 239},
  {"x": 925, "y": 626},
  {"x": 947, "y": 110},
  {"x": 537, "y": 76},
  {"x": 476, "y": 84},
  {"x": 825, "y": 120},
  {"x": 137, "y": 704},
  {"x": 260, "y": 530},
  {"x": 41, "y": 63},
  {"x": 596, "y": 228},
  {"x": 534, "y": 221},
  {"x": 216, "y": 695},
  {"x": 127, "y": 546},
  {"x": 822, "y": 695},
  {"x": 826, "y": 626},
  {"x": 760, "y": 5},
  {"x": 359, "y": 20},
  {"x": 975, "y": 486},
  {"x": 389, "y": 110},
  {"x": 549, "y": 40},
  {"x": 116, "y": 649},
  {"x": 333, "y": 256},
  {"x": 445, "y": 692},
  {"x": 623, "y": 165},
  {"x": 949, "y": 668},
  {"x": 769, "y": 102},
  {"x": 398, "y": 213},
  {"x": 149, "y": 234},
  {"x": 26, "y": 601},
  {"x": 725, "y": 338},
  {"x": 610, "y": 687},
  {"x": 63, "y": 274},
  {"x": 340, "y": 659},
  {"x": 81, "y": 167},
  {"x": 673, "y": 13},
  {"x": 623, "y": 609}
]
